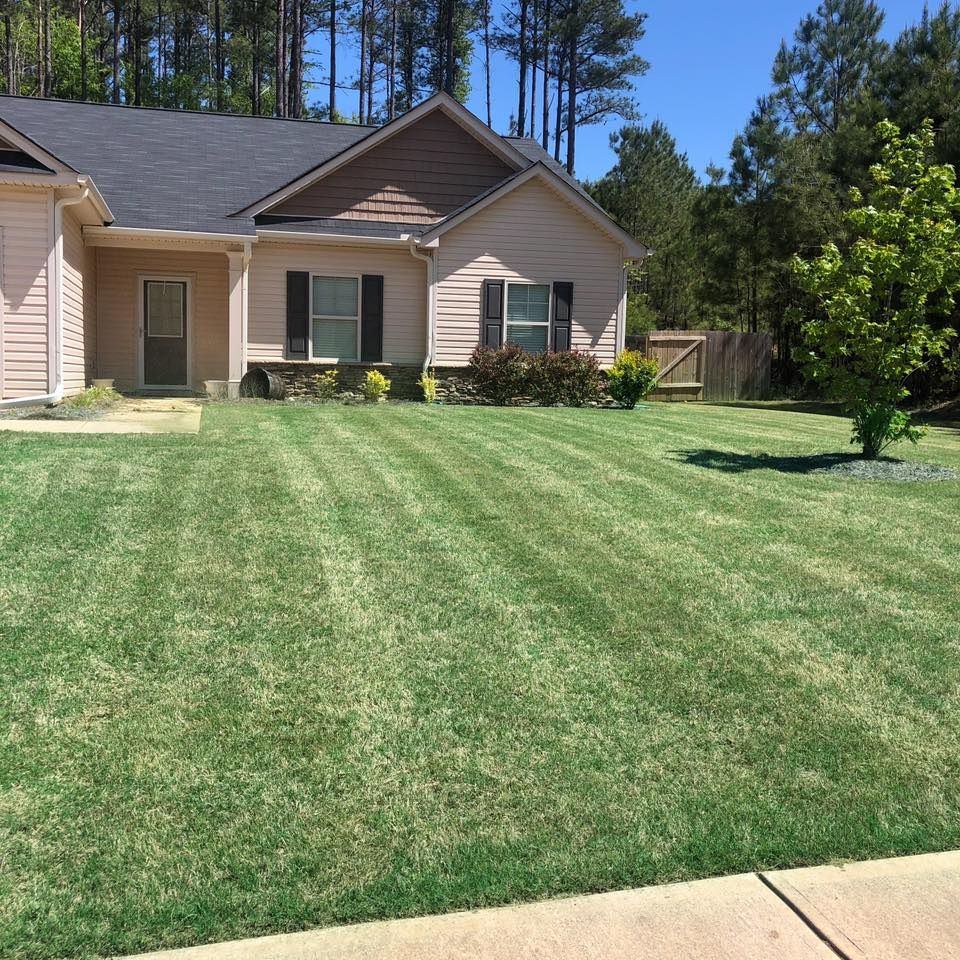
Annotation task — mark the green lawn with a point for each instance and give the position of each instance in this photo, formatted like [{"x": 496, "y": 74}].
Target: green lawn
[{"x": 320, "y": 665}]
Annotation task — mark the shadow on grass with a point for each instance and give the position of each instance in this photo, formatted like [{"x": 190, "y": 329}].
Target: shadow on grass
[
  {"x": 785, "y": 406},
  {"x": 729, "y": 462}
]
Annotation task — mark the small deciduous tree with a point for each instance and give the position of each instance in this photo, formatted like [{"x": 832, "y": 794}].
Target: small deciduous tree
[{"x": 879, "y": 295}]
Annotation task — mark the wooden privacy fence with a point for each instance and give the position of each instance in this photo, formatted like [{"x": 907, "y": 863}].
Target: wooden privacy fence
[{"x": 709, "y": 364}]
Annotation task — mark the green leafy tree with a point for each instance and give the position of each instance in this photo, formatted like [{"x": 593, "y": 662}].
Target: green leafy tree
[{"x": 879, "y": 295}]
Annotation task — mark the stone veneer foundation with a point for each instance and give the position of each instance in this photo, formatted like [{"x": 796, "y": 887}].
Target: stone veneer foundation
[{"x": 453, "y": 384}]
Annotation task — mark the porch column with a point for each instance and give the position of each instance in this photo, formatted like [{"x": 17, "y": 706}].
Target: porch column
[{"x": 237, "y": 260}]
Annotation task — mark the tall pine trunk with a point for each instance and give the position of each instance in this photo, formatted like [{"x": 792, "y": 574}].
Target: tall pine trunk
[
  {"x": 333, "y": 59},
  {"x": 486, "y": 57},
  {"x": 137, "y": 53},
  {"x": 572, "y": 91},
  {"x": 295, "y": 82},
  {"x": 545, "y": 40},
  {"x": 257, "y": 61},
  {"x": 47, "y": 51},
  {"x": 280, "y": 59},
  {"x": 115, "y": 89},
  {"x": 82, "y": 30},
  {"x": 534, "y": 51},
  {"x": 448, "y": 34},
  {"x": 218, "y": 53},
  {"x": 522, "y": 58},
  {"x": 371, "y": 59},
  {"x": 392, "y": 75},
  {"x": 363, "y": 58},
  {"x": 558, "y": 131},
  {"x": 11, "y": 74}
]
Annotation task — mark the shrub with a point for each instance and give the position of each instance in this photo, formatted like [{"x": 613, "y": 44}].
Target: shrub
[
  {"x": 325, "y": 384},
  {"x": 500, "y": 376},
  {"x": 570, "y": 377},
  {"x": 428, "y": 384},
  {"x": 632, "y": 377},
  {"x": 375, "y": 386},
  {"x": 878, "y": 425},
  {"x": 94, "y": 397}
]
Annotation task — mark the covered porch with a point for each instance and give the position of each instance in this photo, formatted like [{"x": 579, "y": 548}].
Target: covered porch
[{"x": 171, "y": 311}]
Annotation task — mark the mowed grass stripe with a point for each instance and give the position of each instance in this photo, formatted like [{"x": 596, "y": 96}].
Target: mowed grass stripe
[{"x": 327, "y": 664}]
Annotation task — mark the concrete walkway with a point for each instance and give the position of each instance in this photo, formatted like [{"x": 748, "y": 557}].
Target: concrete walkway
[
  {"x": 132, "y": 415},
  {"x": 903, "y": 909}
]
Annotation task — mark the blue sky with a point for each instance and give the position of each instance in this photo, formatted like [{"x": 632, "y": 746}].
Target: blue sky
[{"x": 709, "y": 63}]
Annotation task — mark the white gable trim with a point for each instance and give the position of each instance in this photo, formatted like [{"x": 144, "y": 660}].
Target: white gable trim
[
  {"x": 18, "y": 140},
  {"x": 440, "y": 101},
  {"x": 633, "y": 249}
]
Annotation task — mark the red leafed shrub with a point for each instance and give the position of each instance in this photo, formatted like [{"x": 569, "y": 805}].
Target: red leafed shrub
[{"x": 503, "y": 376}]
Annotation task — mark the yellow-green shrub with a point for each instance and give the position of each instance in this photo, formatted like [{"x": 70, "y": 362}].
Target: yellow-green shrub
[
  {"x": 375, "y": 386},
  {"x": 428, "y": 384},
  {"x": 325, "y": 384},
  {"x": 632, "y": 377}
]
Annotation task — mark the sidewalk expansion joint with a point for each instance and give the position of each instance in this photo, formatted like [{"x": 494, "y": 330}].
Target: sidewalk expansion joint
[{"x": 808, "y": 922}]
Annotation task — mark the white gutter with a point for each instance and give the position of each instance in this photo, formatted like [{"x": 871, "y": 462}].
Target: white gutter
[
  {"x": 57, "y": 333},
  {"x": 431, "y": 300},
  {"x": 131, "y": 233},
  {"x": 266, "y": 235}
]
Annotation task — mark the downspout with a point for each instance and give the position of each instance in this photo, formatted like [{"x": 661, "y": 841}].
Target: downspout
[
  {"x": 431, "y": 300},
  {"x": 245, "y": 315},
  {"x": 57, "y": 395}
]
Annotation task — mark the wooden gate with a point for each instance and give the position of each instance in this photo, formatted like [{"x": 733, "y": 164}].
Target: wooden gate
[{"x": 683, "y": 360}]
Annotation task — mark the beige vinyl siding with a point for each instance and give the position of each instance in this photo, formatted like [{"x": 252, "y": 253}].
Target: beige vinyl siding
[
  {"x": 534, "y": 235},
  {"x": 79, "y": 322},
  {"x": 404, "y": 295},
  {"x": 119, "y": 292},
  {"x": 419, "y": 175},
  {"x": 25, "y": 227}
]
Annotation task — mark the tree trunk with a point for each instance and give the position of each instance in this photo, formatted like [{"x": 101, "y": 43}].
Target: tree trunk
[
  {"x": 82, "y": 30},
  {"x": 522, "y": 58},
  {"x": 295, "y": 82},
  {"x": 333, "y": 59},
  {"x": 558, "y": 132},
  {"x": 363, "y": 57},
  {"x": 280, "y": 59},
  {"x": 161, "y": 54},
  {"x": 545, "y": 40},
  {"x": 533, "y": 70},
  {"x": 218, "y": 52},
  {"x": 371, "y": 59},
  {"x": 137, "y": 53},
  {"x": 449, "y": 30},
  {"x": 392, "y": 76},
  {"x": 486, "y": 57},
  {"x": 572, "y": 93},
  {"x": 115, "y": 90},
  {"x": 47, "y": 51},
  {"x": 8, "y": 54},
  {"x": 257, "y": 61}
]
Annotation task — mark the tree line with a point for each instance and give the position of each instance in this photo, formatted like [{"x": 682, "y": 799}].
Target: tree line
[
  {"x": 724, "y": 246},
  {"x": 575, "y": 59}
]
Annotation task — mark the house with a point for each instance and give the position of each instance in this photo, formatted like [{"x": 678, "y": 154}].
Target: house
[{"x": 168, "y": 249}]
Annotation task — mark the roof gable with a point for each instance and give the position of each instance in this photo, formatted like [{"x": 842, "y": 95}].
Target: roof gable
[
  {"x": 509, "y": 156},
  {"x": 19, "y": 153},
  {"x": 585, "y": 206},
  {"x": 420, "y": 175}
]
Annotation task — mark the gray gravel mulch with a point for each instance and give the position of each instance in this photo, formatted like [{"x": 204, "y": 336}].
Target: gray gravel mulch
[{"x": 908, "y": 471}]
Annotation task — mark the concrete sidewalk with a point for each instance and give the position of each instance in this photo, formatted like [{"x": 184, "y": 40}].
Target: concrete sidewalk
[
  {"x": 131, "y": 415},
  {"x": 903, "y": 909}
]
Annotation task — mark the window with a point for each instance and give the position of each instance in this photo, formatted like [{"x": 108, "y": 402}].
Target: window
[
  {"x": 166, "y": 306},
  {"x": 335, "y": 316},
  {"x": 528, "y": 316}
]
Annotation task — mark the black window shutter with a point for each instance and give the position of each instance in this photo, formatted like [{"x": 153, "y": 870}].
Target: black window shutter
[
  {"x": 298, "y": 314},
  {"x": 371, "y": 319},
  {"x": 562, "y": 315},
  {"x": 491, "y": 323}
]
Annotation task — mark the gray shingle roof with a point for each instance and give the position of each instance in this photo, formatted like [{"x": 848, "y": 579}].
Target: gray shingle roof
[
  {"x": 176, "y": 170},
  {"x": 181, "y": 170}
]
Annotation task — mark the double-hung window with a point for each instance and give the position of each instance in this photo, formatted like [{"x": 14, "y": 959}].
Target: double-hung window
[
  {"x": 335, "y": 318},
  {"x": 528, "y": 316}
]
